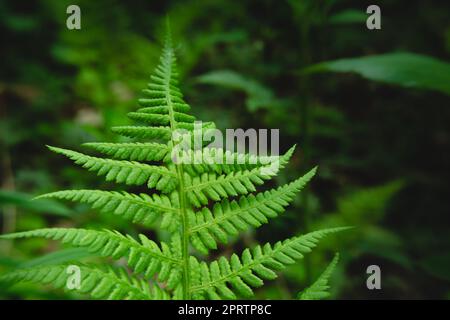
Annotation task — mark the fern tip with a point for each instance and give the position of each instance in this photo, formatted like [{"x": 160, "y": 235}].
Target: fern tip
[{"x": 38, "y": 197}]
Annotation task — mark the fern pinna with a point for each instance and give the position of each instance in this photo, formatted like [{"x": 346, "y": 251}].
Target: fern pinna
[{"x": 200, "y": 204}]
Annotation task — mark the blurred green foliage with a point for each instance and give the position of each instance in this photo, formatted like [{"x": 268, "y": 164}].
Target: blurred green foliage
[
  {"x": 405, "y": 69},
  {"x": 383, "y": 146}
]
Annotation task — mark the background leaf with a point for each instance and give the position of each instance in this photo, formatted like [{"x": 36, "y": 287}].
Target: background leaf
[
  {"x": 58, "y": 257},
  {"x": 23, "y": 200},
  {"x": 258, "y": 96},
  {"x": 348, "y": 17},
  {"x": 404, "y": 69}
]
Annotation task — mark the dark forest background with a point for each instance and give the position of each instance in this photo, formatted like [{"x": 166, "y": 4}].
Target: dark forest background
[{"x": 370, "y": 107}]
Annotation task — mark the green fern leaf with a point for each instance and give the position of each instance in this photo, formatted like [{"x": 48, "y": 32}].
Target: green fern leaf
[
  {"x": 229, "y": 218},
  {"x": 319, "y": 289},
  {"x": 211, "y": 186},
  {"x": 142, "y": 209},
  {"x": 252, "y": 268},
  {"x": 193, "y": 200},
  {"x": 133, "y": 151},
  {"x": 106, "y": 284},
  {"x": 197, "y": 162},
  {"x": 160, "y": 119},
  {"x": 163, "y": 133},
  {"x": 124, "y": 171},
  {"x": 145, "y": 257}
]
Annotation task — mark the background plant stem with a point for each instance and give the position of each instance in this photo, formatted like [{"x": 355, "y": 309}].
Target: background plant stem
[{"x": 9, "y": 211}]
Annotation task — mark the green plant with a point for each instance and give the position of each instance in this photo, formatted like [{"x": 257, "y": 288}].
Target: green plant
[
  {"x": 194, "y": 203},
  {"x": 319, "y": 289}
]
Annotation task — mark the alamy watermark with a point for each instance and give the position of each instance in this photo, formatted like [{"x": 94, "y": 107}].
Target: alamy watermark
[
  {"x": 374, "y": 280},
  {"x": 73, "y": 281},
  {"x": 73, "y": 21},
  {"x": 373, "y": 22},
  {"x": 205, "y": 145}
]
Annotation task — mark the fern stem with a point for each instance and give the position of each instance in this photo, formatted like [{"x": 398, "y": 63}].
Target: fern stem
[
  {"x": 184, "y": 236},
  {"x": 10, "y": 211},
  {"x": 180, "y": 176}
]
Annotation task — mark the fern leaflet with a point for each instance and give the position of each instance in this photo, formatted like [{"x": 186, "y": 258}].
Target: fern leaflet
[{"x": 319, "y": 289}]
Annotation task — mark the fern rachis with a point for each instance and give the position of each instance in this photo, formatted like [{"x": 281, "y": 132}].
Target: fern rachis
[{"x": 200, "y": 205}]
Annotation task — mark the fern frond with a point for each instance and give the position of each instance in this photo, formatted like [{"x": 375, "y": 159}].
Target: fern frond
[
  {"x": 160, "y": 107},
  {"x": 160, "y": 119},
  {"x": 229, "y": 218},
  {"x": 106, "y": 284},
  {"x": 142, "y": 209},
  {"x": 194, "y": 204},
  {"x": 132, "y": 151},
  {"x": 252, "y": 268},
  {"x": 211, "y": 186},
  {"x": 163, "y": 133},
  {"x": 179, "y": 110},
  {"x": 145, "y": 257},
  {"x": 220, "y": 161},
  {"x": 319, "y": 289},
  {"x": 127, "y": 172}
]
